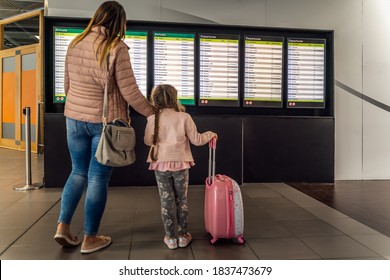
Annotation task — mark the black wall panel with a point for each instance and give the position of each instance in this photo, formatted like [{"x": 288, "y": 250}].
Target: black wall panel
[
  {"x": 278, "y": 149},
  {"x": 229, "y": 148},
  {"x": 57, "y": 163},
  {"x": 250, "y": 149}
]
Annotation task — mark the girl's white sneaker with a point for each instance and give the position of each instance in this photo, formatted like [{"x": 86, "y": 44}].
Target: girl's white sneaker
[
  {"x": 185, "y": 239},
  {"x": 170, "y": 242}
]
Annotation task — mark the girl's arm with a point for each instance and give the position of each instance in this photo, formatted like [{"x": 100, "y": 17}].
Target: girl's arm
[{"x": 196, "y": 138}]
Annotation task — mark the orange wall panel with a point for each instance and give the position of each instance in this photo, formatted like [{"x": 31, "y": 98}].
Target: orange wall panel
[
  {"x": 9, "y": 91},
  {"x": 29, "y": 93}
]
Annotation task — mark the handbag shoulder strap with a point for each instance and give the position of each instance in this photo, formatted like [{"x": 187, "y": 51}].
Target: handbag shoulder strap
[{"x": 105, "y": 99}]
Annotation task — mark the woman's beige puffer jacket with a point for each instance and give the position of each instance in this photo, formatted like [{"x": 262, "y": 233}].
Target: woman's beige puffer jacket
[{"x": 85, "y": 81}]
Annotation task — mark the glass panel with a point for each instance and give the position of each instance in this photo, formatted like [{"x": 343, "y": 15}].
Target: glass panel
[
  {"x": 8, "y": 97},
  {"x": 21, "y": 33}
]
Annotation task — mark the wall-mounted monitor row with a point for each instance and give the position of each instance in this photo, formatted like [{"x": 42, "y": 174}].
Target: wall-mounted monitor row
[
  {"x": 216, "y": 69},
  {"x": 218, "y": 72}
]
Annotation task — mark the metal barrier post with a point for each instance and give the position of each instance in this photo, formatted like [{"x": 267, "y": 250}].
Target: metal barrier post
[
  {"x": 29, "y": 185},
  {"x": 39, "y": 127}
]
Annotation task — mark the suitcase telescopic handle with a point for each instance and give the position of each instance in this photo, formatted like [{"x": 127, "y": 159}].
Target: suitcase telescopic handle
[{"x": 212, "y": 149}]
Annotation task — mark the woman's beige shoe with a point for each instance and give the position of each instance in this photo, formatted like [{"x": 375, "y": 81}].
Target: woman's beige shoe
[
  {"x": 98, "y": 243},
  {"x": 66, "y": 239}
]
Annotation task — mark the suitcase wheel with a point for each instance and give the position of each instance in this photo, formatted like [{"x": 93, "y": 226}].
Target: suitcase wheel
[
  {"x": 213, "y": 240},
  {"x": 238, "y": 240}
]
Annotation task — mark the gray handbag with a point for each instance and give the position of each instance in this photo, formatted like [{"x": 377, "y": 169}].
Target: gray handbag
[{"x": 117, "y": 142}]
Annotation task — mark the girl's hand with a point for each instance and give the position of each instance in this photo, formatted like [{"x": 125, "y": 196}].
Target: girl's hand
[{"x": 215, "y": 136}]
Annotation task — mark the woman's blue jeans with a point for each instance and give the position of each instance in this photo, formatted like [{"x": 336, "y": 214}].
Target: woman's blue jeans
[{"x": 83, "y": 139}]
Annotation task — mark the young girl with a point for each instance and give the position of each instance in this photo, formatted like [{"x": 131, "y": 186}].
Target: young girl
[{"x": 169, "y": 133}]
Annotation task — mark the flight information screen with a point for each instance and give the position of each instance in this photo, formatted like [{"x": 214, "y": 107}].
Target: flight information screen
[
  {"x": 62, "y": 38},
  {"x": 219, "y": 66},
  {"x": 174, "y": 63},
  {"x": 306, "y": 73},
  {"x": 263, "y": 71},
  {"x": 138, "y": 44},
  {"x": 136, "y": 40}
]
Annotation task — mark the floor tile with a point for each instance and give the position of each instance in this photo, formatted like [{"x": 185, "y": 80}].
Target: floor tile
[
  {"x": 196, "y": 192},
  {"x": 287, "y": 248},
  {"x": 49, "y": 220},
  {"x": 53, "y": 252},
  {"x": 9, "y": 236},
  {"x": 43, "y": 195},
  {"x": 311, "y": 228},
  {"x": 5, "y": 204},
  {"x": 56, "y": 208},
  {"x": 157, "y": 250},
  {"x": 260, "y": 192},
  {"x": 122, "y": 233},
  {"x": 23, "y": 208},
  {"x": 222, "y": 250},
  {"x": 350, "y": 226},
  {"x": 38, "y": 236},
  {"x": 148, "y": 232},
  {"x": 2, "y": 250},
  {"x": 338, "y": 247},
  {"x": 325, "y": 212},
  {"x": 290, "y": 213},
  {"x": 265, "y": 228},
  {"x": 114, "y": 217},
  {"x": 18, "y": 221},
  {"x": 362, "y": 258},
  {"x": 255, "y": 214},
  {"x": 148, "y": 217},
  {"x": 277, "y": 186},
  {"x": 120, "y": 203},
  {"x": 364, "y": 201},
  {"x": 273, "y": 202},
  {"x": 116, "y": 251},
  {"x": 305, "y": 201},
  {"x": 378, "y": 243}
]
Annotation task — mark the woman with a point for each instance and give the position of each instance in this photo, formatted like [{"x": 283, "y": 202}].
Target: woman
[{"x": 85, "y": 77}]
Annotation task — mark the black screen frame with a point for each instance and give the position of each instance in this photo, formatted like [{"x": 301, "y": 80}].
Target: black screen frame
[{"x": 242, "y": 31}]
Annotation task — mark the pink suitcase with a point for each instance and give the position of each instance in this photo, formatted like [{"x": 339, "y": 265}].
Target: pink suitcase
[{"x": 223, "y": 208}]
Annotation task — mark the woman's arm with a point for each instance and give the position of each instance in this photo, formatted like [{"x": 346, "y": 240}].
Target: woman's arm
[
  {"x": 149, "y": 130},
  {"x": 127, "y": 84}
]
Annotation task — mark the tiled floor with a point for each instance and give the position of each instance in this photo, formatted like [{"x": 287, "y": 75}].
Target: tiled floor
[
  {"x": 365, "y": 201},
  {"x": 280, "y": 223}
]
